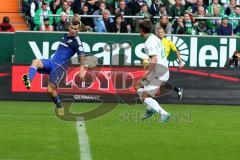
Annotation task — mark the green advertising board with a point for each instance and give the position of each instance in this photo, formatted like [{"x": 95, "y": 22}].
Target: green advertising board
[
  {"x": 128, "y": 49},
  {"x": 7, "y": 47}
]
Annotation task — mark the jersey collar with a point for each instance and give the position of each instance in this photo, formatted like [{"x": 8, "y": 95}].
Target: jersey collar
[{"x": 148, "y": 35}]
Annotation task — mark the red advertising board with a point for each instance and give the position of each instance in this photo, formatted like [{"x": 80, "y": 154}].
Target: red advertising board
[
  {"x": 108, "y": 84},
  {"x": 98, "y": 80}
]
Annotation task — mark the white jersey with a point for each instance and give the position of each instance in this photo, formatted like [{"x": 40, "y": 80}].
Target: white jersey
[{"x": 154, "y": 47}]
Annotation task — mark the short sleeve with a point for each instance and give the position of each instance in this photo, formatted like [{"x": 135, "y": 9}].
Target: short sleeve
[
  {"x": 80, "y": 50},
  {"x": 79, "y": 46},
  {"x": 151, "y": 48},
  {"x": 172, "y": 46}
]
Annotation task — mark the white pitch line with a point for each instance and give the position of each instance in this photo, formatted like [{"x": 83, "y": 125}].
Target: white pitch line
[{"x": 85, "y": 153}]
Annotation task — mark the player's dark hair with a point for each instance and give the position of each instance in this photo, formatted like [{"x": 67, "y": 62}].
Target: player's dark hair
[
  {"x": 75, "y": 22},
  {"x": 145, "y": 25}
]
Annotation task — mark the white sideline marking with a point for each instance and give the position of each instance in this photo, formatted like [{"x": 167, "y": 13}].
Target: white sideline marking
[{"x": 85, "y": 153}]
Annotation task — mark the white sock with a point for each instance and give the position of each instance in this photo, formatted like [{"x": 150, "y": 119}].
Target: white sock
[{"x": 150, "y": 102}]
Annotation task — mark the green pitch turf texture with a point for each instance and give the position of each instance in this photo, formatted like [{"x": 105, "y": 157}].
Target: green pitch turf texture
[{"x": 31, "y": 131}]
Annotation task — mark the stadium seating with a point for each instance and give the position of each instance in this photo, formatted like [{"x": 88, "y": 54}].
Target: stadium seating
[{"x": 11, "y": 9}]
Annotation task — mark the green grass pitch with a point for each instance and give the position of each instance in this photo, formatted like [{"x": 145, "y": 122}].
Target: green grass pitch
[{"x": 30, "y": 130}]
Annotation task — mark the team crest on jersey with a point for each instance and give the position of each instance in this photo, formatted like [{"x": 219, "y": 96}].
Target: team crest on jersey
[
  {"x": 69, "y": 41},
  {"x": 80, "y": 48}
]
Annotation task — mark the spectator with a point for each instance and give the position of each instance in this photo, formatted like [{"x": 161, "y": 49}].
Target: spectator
[
  {"x": 46, "y": 25},
  {"x": 135, "y": 6},
  {"x": 164, "y": 23},
  {"x": 69, "y": 2},
  {"x": 26, "y": 7},
  {"x": 225, "y": 29},
  {"x": 105, "y": 24},
  {"x": 236, "y": 30},
  {"x": 5, "y": 26},
  {"x": 236, "y": 14},
  {"x": 156, "y": 5},
  {"x": 178, "y": 26},
  {"x": 215, "y": 3},
  {"x": 225, "y": 3},
  {"x": 188, "y": 23},
  {"x": 189, "y": 3},
  {"x": 63, "y": 24},
  {"x": 148, "y": 2},
  {"x": 76, "y": 17},
  {"x": 154, "y": 8},
  {"x": 77, "y": 6},
  {"x": 125, "y": 11},
  {"x": 230, "y": 7},
  {"x": 45, "y": 12},
  {"x": 213, "y": 24},
  {"x": 102, "y": 6},
  {"x": 65, "y": 8},
  {"x": 55, "y": 5},
  {"x": 143, "y": 12},
  {"x": 201, "y": 24},
  {"x": 234, "y": 61},
  {"x": 162, "y": 10},
  {"x": 88, "y": 22},
  {"x": 120, "y": 25},
  {"x": 201, "y": 12},
  {"x": 92, "y": 5},
  {"x": 107, "y": 5},
  {"x": 113, "y": 6},
  {"x": 34, "y": 6},
  {"x": 177, "y": 9},
  {"x": 173, "y": 2},
  {"x": 194, "y": 7}
]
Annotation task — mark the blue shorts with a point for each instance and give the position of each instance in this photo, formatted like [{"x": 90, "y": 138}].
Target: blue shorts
[{"x": 56, "y": 72}]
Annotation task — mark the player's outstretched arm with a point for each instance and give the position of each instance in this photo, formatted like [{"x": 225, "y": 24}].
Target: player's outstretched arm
[
  {"x": 179, "y": 59},
  {"x": 174, "y": 48}
]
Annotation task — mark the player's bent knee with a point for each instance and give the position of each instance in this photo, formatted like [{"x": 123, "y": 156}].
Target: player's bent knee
[
  {"x": 37, "y": 63},
  {"x": 144, "y": 95},
  {"x": 34, "y": 62},
  {"x": 51, "y": 89},
  {"x": 52, "y": 92}
]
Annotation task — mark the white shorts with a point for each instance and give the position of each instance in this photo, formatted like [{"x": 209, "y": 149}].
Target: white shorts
[{"x": 151, "y": 86}]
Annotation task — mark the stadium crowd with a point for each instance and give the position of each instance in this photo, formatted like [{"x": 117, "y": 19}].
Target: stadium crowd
[{"x": 176, "y": 16}]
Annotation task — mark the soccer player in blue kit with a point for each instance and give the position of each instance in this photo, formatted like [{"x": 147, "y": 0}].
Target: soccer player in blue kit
[{"x": 57, "y": 65}]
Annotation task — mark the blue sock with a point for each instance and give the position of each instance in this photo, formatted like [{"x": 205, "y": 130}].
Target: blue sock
[
  {"x": 32, "y": 72},
  {"x": 56, "y": 99}
]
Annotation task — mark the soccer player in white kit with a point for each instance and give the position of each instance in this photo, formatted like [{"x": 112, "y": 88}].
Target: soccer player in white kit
[{"x": 156, "y": 74}]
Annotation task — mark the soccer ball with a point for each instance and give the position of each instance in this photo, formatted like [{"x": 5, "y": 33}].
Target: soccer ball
[{"x": 145, "y": 62}]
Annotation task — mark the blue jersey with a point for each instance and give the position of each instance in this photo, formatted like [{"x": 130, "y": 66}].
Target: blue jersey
[{"x": 68, "y": 46}]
